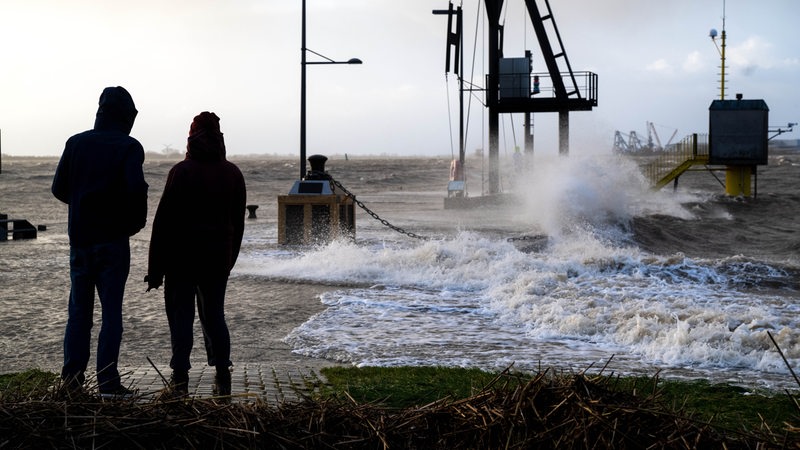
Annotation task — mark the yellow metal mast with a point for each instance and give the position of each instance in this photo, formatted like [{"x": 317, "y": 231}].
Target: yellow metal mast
[
  {"x": 713, "y": 36},
  {"x": 722, "y": 53},
  {"x": 737, "y": 178}
]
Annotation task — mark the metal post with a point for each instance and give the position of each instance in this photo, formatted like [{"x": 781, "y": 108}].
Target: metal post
[
  {"x": 461, "y": 137},
  {"x": 493, "y": 10},
  {"x": 722, "y": 71},
  {"x": 459, "y": 71},
  {"x": 303, "y": 96},
  {"x": 722, "y": 68},
  {"x": 528, "y": 136},
  {"x": 563, "y": 132}
]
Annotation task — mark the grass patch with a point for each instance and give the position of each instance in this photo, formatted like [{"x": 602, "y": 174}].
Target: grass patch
[
  {"x": 733, "y": 407},
  {"x": 29, "y": 384},
  {"x": 721, "y": 405},
  {"x": 404, "y": 387}
]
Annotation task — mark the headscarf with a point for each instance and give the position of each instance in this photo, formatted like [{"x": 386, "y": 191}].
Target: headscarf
[{"x": 205, "y": 142}]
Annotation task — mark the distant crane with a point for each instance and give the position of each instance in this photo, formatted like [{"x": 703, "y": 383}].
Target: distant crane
[
  {"x": 632, "y": 143},
  {"x": 651, "y": 133},
  {"x": 627, "y": 143}
]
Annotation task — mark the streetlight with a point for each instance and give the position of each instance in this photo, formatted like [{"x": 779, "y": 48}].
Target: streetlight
[{"x": 303, "y": 64}]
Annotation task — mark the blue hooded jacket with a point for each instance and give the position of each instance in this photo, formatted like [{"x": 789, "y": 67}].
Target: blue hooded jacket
[{"x": 100, "y": 175}]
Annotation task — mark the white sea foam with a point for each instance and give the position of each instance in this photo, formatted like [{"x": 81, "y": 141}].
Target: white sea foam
[
  {"x": 474, "y": 299},
  {"x": 476, "y": 302}
]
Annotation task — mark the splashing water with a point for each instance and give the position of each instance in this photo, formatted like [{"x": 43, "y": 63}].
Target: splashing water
[{"x": 474, "y": 299}]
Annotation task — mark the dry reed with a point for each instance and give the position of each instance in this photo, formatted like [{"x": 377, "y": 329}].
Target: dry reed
[{"x": 564, "y": 412}]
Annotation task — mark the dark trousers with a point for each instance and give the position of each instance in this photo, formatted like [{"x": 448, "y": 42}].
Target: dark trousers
[
  {"x": 180, "y": 295},
  {"x": 103, "y": 267}
]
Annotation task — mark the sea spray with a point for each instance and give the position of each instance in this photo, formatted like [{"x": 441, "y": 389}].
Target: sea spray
[{"x": 472, "y": 298}]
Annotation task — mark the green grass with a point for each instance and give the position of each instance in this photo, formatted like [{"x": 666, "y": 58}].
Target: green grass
[
  {"x": 406, "y": 386},
  {"x": 733, "y": 407},
  {"x": 722, "y": 405},
  {"x": 31, "y": 383}
]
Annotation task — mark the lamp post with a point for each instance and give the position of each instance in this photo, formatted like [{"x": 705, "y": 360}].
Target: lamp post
[{"x": 303, "y": 64}]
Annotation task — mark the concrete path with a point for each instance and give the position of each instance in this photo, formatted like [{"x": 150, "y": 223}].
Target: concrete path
[{"x": 249, "y": 382}]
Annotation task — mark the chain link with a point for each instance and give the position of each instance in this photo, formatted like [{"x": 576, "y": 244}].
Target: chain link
[
  {"x": 525, "y": 238},
  {"x": 373, "y": 214},
  {"x": 399, "y": 229}
]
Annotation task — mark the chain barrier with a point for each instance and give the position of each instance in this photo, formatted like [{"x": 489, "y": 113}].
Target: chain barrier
[
  {"x": 525, "y": 238},
  {"x": 373, "y": 214},
  {"x": 399, "y": 229}
]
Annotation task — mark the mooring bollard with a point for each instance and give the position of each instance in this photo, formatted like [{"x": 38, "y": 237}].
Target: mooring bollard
[{"x": 252, "y": 211}]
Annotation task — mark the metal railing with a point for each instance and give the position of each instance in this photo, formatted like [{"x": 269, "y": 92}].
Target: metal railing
[
  {"x": 676, "y": 159},
  {"x": 578, "y": 84}
]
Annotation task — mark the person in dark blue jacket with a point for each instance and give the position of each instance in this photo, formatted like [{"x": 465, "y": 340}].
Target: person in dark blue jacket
[{"x": 100, "y": 177}]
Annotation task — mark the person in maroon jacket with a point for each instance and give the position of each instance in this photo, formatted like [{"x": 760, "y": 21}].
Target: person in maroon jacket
[{"x": 197, "y": 234}]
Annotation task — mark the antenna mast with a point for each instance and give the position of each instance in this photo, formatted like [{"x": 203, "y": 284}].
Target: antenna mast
[
  {"x": 722, "y": 67},
  {"x": 713, "y": 36}
]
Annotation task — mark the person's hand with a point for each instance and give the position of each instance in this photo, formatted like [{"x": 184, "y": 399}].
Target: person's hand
[{"x": 152, "y": 282}]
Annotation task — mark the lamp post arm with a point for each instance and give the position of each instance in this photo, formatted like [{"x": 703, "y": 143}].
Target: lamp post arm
[{"x": 329, "y": 61}]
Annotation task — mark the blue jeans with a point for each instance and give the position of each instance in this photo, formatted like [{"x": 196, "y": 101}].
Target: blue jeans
[
  {"x": 180, "y": 295},
  {"x": 103, "y": 267}
]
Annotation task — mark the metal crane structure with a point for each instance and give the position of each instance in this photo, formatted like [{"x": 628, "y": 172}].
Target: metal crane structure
[
  {"x": 631, "y": 143},
  {"x": 513, "y": 87},
  {"x": 628, "y": 143},
  {"x": 567, "y": 94},
  {"x": 652, "y": 134}
]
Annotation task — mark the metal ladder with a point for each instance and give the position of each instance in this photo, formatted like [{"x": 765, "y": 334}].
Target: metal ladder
[{"x": 550, "y": 57}]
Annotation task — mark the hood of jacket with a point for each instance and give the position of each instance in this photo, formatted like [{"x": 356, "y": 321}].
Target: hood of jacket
[
  {"x": 116, "y": 111},
  {"x": 205, "y": 142}
]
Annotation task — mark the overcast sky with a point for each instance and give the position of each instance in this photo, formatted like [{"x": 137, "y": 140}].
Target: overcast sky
[{"x": 241, "y": 59}]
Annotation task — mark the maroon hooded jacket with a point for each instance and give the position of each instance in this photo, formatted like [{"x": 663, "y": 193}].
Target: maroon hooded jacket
[{"x": 199, "y": 223}]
